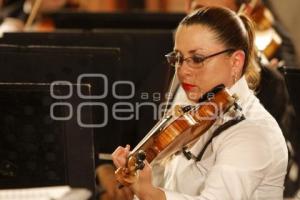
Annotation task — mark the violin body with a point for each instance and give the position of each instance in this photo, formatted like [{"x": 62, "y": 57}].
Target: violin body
[{"x": 176, "y": 132}]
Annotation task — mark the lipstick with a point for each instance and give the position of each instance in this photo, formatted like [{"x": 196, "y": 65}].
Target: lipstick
[{"x": 187, "y": 87}]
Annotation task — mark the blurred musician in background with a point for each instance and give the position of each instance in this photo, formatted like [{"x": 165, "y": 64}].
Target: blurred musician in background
[
  {"x": 12, "y": 16},
  {"x": 22, "y": 15},
  {"x": 16, "y": 13}
]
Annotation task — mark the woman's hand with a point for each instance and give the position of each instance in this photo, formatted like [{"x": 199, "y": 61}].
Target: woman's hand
[
  {"x": 120, "y": 155},
  {"x": 143, "y": 187}
]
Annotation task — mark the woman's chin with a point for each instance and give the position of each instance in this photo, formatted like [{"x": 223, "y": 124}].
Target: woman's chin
[{"x": 192, "y": 96}]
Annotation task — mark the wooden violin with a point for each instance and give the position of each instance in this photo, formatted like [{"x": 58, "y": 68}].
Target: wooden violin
[{"x": 174, "y": 132}]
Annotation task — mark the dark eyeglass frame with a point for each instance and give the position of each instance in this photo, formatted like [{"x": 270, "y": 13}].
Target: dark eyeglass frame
[{"x": 196, "y": 58}]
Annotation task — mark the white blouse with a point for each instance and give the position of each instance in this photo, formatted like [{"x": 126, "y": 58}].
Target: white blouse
[{"x": 246, "y": 161}]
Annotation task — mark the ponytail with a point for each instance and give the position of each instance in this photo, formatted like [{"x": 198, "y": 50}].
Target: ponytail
[{"x": 251, "y": 67}]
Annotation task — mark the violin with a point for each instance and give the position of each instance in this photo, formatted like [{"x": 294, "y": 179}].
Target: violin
[
  {"x": 267, "y": 40},
  {"x": 174, "y": 132}
]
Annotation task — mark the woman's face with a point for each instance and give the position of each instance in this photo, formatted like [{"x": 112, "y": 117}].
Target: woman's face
[{"x": 221, "y": 69}]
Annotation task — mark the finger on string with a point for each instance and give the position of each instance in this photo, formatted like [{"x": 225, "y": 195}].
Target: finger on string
[{"x": 127, "y": 148}]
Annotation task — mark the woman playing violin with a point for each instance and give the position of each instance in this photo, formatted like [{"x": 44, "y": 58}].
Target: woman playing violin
[{"x": 246, "y": 161}]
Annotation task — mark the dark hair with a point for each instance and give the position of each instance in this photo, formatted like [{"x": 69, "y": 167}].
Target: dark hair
[{"x": 234, "y": 31}]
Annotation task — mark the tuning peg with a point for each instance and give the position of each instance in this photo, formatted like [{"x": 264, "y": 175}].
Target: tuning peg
[{"x": 141, "y": 155}]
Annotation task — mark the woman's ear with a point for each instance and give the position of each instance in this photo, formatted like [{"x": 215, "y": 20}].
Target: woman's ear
[{"x": 237, "y": 61}]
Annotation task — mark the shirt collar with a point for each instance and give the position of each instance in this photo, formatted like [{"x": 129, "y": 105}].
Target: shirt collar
[{"x": 241, "y": 89}]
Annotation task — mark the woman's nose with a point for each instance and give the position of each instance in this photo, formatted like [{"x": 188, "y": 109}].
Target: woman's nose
[{"x": 184, "y": 69}]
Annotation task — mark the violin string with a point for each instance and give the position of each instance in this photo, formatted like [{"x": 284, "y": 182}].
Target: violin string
[
  {"x": 170, "y": 95},
  {"x": 150, "y": 133},
  {"x": 165, "y": 118}
]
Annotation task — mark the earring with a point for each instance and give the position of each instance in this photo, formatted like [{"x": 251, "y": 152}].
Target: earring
[{"x": 234, "y": 78}]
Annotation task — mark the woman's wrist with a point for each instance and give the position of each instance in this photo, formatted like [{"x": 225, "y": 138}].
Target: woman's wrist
[{"x": 152, "y": 193}]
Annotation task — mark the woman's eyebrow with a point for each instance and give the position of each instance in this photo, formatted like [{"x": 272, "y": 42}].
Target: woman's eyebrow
[{"x": 195, "y": 50}]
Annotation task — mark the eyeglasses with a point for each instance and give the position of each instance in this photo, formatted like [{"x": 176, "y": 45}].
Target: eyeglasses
[{"x": 195, "y": 61}]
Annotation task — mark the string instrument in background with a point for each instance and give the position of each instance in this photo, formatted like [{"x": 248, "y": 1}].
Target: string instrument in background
[
  {"x": 267, "y": 40},
  {"x": 40, "y": 9},
  {"x": 174, "y": 132},
  {"x": 28, "y": 19},
  {"x": 34, "y": 23}
]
